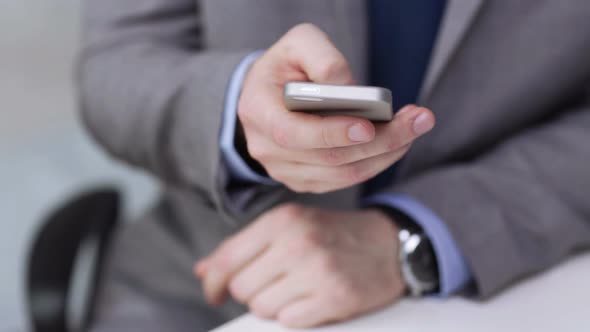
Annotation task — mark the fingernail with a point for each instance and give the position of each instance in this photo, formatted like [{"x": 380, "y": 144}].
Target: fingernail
[
  {"x": 359, "y": 133},
  {"x": 423, "y": 124}
]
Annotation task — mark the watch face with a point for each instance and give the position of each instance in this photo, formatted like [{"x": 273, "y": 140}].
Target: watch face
[{"x": 423, "y": 263}]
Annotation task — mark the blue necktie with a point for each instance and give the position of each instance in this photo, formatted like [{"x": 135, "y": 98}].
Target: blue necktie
[{"x": 401, "y": 39}]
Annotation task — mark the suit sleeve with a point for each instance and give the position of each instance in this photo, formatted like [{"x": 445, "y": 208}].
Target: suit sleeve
[
  {"x": 151, "y": 94},
  {"x": 520, "y": 208}
]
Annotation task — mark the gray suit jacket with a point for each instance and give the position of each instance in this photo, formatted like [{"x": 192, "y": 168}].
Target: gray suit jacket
[{"x": 507, "y": 167}]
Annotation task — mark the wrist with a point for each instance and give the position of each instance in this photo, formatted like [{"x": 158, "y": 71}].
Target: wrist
[
  {"x": 241, "y": 145},
  {"x": 386, "y": 227},
  {"x": 388, "y": 232}
]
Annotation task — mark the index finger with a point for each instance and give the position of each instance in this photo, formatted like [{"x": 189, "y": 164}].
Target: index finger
[
  {"x": 217, "y": 270},
  {"x": 310, "y": 49},
  {"x": 224, "y": 263},
  {"x": 296, "y": 130}
]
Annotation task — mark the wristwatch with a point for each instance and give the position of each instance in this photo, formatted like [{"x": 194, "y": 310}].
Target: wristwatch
[{"x": 418, "y": 263}]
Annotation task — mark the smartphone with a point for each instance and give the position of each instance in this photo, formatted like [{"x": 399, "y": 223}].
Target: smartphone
[{"x": 372, "y": 103}]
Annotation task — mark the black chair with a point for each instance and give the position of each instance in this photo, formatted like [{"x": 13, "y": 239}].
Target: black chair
[{"x": 88, "y": 220}]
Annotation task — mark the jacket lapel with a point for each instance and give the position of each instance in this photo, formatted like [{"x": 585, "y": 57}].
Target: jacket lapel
[
  {"x": 458, "y": 17},
  {"x": 352, "y": 30}
]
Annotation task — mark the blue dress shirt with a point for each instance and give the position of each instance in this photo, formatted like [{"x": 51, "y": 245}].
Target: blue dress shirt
[
  {"x": 453, "y": 271},
  {"x": 238, "y": 168}
]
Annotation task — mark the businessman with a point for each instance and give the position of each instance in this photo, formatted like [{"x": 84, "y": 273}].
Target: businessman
[{"x": 310, "y": 220}]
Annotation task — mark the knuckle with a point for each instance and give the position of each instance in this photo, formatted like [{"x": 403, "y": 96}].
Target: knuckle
[
  {"x": 325, "y": 136},
  {"x": 393, "y": 141},
  {"x": 354, "y": 173},
  {"x": 298, "y": 249},
  {"x": 328, "y": 264},
  {"x": 238, "y": 292},
  {"x": 224, "y": 261},
  {"x": 391, "y": 146},
  {"x": 304, "y": 29},
  {"x": 333, "y": 66},
  {"x": 333, "y": 156},
  {"x": 280, "y": 136},
  {"x": 286, "y": 47},
  {"x": 311, "y": 239},
  {"x": 225, "y": 252}
]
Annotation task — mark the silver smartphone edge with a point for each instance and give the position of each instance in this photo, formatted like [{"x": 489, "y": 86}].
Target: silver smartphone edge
[{"x": 372, "y": 103}]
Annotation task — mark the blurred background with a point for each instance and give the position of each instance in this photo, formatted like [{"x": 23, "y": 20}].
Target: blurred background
[{"x": 45, "y": 156}]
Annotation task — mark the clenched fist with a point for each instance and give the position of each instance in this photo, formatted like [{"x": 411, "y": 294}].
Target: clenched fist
[
  {"x": 306, "y": 266},
  {"x": 310, "y": 153}
]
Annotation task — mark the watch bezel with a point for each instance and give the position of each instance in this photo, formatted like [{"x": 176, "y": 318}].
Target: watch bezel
[{"x": 409, "y": 242}]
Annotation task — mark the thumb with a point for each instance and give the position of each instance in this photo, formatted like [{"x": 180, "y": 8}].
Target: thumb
[{"x": 310, "y": 49}]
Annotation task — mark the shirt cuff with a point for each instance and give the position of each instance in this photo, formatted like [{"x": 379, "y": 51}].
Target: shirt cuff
[
  {"x": 238, "y": 168},
  {"x": 454, "y": 273}
]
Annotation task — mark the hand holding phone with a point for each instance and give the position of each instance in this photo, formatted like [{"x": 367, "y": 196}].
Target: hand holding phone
[{"x": 319, "y": 154}]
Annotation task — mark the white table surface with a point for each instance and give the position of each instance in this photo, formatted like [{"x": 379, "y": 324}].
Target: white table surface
[{"x": 557, "y": 300}]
